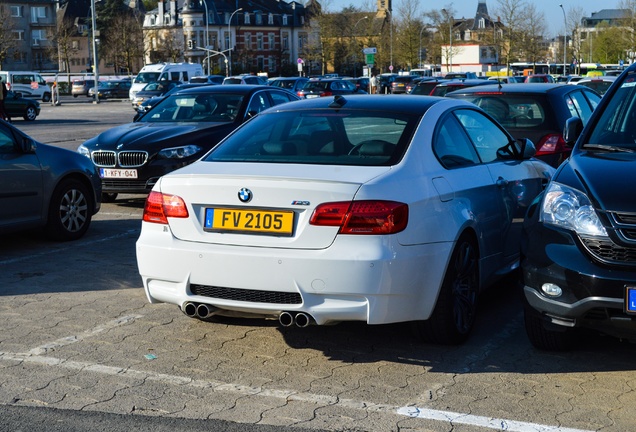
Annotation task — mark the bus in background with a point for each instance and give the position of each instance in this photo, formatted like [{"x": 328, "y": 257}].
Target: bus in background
[{"x": 164, "y": 71}]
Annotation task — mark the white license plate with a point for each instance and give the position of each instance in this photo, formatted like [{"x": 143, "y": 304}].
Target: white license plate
[
  {"x": 309, "y": 96},
  {"x": 118, "y": 173}
]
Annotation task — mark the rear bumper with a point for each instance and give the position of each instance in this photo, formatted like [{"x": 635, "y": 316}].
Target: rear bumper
[{"x": 355, "y": 279}]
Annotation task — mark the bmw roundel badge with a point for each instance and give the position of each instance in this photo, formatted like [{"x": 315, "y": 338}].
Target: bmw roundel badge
[{"x": 245, "y": 195}]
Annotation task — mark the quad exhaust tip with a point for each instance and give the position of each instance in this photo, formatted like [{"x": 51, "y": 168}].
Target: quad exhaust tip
[
  {"x": 301, "y": 319},
  {"x": 201, "y": 311}
]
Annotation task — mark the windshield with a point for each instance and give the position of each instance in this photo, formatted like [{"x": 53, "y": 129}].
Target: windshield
[
  {"x": 195, "y": 108},
  {"x": 320, "y": 137},
  {"x": 617, "y": 123},
  {"x": 146, "y": 77}
]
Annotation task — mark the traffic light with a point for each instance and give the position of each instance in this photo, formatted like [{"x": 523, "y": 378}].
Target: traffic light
[{"x": 190, "y": 44}]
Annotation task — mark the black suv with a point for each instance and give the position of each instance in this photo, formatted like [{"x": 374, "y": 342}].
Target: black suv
[{"x": 579, "y": 243}]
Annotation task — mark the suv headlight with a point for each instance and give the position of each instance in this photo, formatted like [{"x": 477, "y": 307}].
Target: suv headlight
[
  {"x": 179, "y": 152},
  {"x": 571, "y": 209}
]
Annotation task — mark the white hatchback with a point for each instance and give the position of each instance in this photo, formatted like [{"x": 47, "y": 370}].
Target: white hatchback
[{"x": 350, "y": 208}]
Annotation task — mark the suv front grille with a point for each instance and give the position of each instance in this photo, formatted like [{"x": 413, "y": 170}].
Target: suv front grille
[
  {"x": 610, "y": 252},
  {"x": 247, "y": 295}
]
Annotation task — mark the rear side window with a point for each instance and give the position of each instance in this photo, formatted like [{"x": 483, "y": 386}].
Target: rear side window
[
  {"x": 320, "y": 137},
  {"x": 580, "y": 106}
]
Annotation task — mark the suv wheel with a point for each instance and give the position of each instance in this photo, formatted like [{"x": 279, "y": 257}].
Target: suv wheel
[{"x": 543, "y": 338}]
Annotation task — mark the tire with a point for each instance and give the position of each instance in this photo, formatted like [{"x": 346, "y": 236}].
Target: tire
[
  {"x": 75, "y": 96},
  {"x": 456, "y": 309},
  {"x": 109, "y": 197},
  {"x": 70, "y": 211},
  {"x": 46, "y": 97},
  {"x": 541, "y": 337},
  {"x": 30, "y": 113}
]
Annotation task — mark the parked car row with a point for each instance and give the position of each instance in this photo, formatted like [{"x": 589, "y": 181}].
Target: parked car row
[{"x": 340, "y": 193}]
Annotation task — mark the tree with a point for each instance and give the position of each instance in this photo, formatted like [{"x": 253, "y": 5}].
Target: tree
[
  {"x": 407, "y": 38},
  {"x": 62, "y": 45},
  {"x": 606, "y": 48},
  {"x": 7, "y": 39},
  {"x": 573, "y": 28},
  {"x": 124, "y": 41},
  {"x": 514, "y": 18},
  {"x": 165, "y": 46},
  {"x": 532, "y": 29}
]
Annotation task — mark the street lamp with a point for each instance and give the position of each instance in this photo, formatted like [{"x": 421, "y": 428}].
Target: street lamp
[
  {"x": 565, "y": 35},
  {"x": 207, "y": 31},
  {"x": 420, "y": 52},
  {"x": 355, "y": 59},
  {"x": 229, "y": 43},
  {"x": 215, "y": 53},
  {"x": 450, "y": 39},
  {"x": 96, "y": 72},
  {"x": 391, "y": 33}
]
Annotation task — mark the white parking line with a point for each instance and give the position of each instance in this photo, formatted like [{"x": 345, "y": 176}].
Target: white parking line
[
  {"x": 485, "y": 422},
  {"x": 51, "y": 346},
  {"x": 35, "y": 356}
]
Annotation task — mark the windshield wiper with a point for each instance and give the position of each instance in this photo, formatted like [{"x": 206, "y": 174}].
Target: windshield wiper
[{"x": 609, "y": 148}]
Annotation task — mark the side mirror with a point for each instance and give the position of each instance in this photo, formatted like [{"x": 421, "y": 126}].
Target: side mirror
[
  {"x": 27, "y": 145},
  {"x": 520, "y": 149},
  {"x": 572, "y": 130},
  {"x": 526, "y": 148}
]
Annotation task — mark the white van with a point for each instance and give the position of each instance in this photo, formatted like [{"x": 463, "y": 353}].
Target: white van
[
  {"x": 29, "y": 84},
  {"x": 164, "y": 71}
]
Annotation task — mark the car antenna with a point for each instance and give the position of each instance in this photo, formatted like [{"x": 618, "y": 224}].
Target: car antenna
[{"x": 338, "y": 102}]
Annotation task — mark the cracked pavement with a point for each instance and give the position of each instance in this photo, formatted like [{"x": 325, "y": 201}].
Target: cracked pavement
[{"x": 79, "y": 334}]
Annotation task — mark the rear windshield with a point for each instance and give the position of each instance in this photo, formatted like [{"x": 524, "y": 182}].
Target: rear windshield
[
  {"x": 316, "y": 85},
  {"x": 515, "y": 111},
  {"x": 600, "y": 86},
  {"x": 320, "y": 137}
]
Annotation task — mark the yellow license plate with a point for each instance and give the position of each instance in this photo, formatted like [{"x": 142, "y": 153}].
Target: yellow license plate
[{"x": 249, "y": 221}]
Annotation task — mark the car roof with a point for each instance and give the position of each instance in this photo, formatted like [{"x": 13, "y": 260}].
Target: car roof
[
  {"x": 518, "y": 89},
  {"x": 234, "y": 88},
  {"x": 598, "y": 78},
  {"x": 397, "y": 103},
  {"x": 464, "y": 82}
]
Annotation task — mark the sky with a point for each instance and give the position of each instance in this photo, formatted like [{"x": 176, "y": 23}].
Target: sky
[{"x": 467, "y": 8}]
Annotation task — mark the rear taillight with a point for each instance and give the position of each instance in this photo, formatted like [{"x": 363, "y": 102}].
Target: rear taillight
[
  {"x": 327, "y": 93},
  {"x": 362, "y": 217},
  {"x": 159, "y": 207},
  {"x": 551, "y": 144}
]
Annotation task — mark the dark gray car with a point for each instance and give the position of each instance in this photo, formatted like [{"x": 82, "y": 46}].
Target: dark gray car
[{"x": 46, "y": 187}]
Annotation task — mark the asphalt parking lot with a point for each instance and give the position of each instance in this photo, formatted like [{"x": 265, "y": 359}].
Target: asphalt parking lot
[{"x": 82, "y": 345}]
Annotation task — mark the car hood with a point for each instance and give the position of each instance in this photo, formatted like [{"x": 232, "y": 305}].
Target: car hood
[
  {"x": 144, "y": 135},
  {"x": 605, "y": 177}
]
